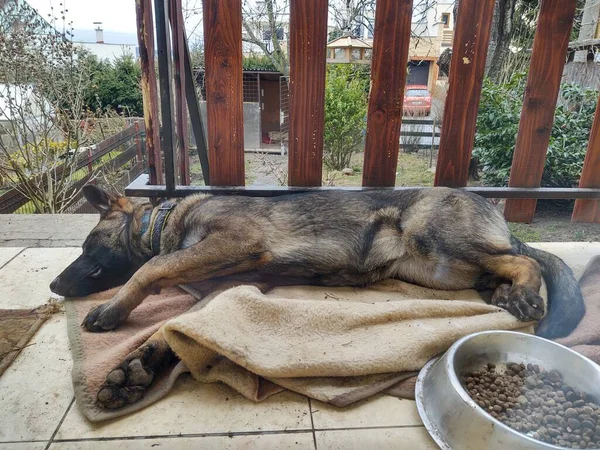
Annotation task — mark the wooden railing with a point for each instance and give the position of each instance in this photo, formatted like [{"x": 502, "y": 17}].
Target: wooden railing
[
  {"x": 224, "y": 148},
  {"x": 130, "y": 142}
]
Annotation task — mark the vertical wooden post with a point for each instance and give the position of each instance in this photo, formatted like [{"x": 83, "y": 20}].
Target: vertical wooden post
[
  {"x": 589, "y": 210},
  {"x": 145, "y": 34},
  {"x": 388, "y": 78},
  {"x": 308, "y": 46},
  {"x": 467, "y": 67},
  {"x": 541, "y": 93},
  {"x": 224, "y": 100},
  {"x": 138, "y": 142},
  {"x": 178, "y": 31}
]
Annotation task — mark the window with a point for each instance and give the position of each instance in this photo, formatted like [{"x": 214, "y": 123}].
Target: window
[
  {"x": 268, "y": 34},
  {"x": 417, "y": 93},
  {"x": 446, "y": 20}
]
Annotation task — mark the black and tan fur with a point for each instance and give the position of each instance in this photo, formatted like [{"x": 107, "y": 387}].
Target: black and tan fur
[{"x": 438, "y": 238}]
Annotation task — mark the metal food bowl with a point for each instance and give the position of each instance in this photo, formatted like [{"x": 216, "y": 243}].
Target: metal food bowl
[{"x": 456, "y": 422}]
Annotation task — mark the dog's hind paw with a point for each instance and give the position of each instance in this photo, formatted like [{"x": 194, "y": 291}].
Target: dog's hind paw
[
  {"x": 128, "y": 382},
  {"x": 521, "y": 302},
  {"x": 103, "y": 317}
]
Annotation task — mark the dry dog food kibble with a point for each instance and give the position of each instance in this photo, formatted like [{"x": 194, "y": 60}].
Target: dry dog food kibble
[{"x": 537, "y": 403}]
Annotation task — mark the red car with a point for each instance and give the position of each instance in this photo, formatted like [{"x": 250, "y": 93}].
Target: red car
[{"x": 417, "y": 100}]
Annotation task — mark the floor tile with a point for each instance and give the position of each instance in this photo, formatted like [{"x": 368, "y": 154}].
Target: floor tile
[
  {"x": 575, "y": 254},
  {"x": 24, "y": 281},
  {"x": 24, "y": 446},
  {"x": 194, "y": 407},
  {"x": 379, "y": 411},
  {"x": 36, "y": 389},
  {"x": 291, "y": 441},
  {"x": 7, "y": 253},
  {"x": 380, "y": 439}
]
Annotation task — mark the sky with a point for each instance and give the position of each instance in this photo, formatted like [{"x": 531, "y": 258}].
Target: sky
[{"x": 115, "y": 15}]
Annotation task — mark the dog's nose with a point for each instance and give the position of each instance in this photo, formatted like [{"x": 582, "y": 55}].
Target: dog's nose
[{"x": 54, "y": 284}]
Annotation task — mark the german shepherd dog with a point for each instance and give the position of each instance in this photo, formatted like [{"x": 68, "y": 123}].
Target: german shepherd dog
[{"x": 438, "y": 238}]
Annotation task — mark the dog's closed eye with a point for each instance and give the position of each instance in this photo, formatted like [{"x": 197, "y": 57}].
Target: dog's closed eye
[{"x": 96, "y": 272}]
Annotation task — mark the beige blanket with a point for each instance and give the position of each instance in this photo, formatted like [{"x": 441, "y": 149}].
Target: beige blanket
[{"x": 337, "y": 345}]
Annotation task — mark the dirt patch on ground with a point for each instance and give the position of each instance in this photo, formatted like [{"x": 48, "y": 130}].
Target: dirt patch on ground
[{"x": 552, "y": 223}]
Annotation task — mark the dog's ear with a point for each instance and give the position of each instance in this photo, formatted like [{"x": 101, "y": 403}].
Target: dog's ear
[{"x": 99, "y": 199}]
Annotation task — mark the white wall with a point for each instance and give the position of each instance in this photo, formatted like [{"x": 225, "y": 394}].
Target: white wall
[{"x": 110, "y": 51}]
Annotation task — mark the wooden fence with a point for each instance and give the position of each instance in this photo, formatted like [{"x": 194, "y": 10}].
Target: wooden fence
[
  {"x": 130, "y": 142},
  {"x": 224, "y": 147}
]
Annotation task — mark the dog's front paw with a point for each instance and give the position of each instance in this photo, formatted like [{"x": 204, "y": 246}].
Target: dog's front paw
[
  {"x": 521, "y": 302},
  {"x": 103, "y": 317}
]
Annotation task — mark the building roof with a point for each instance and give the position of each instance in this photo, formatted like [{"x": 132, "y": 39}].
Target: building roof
[{"x": 348, "y": 41}]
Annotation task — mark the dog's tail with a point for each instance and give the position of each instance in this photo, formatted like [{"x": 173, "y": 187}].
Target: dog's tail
[{"x": 565, "y": 306}]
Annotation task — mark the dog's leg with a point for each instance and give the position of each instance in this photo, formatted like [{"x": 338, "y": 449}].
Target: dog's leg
[
  {"x": 218, "y": 255},
  {"x": 521, "y": 298},
  {"x": 127, "y": 382}
]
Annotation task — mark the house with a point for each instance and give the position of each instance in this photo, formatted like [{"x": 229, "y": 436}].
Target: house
[
  {"x": 432, "y": 32},
  {"x": 23, "y": 105},
  {"x": 265, "y": 96},
  {"x": 583, "y": 59},
  {"x": 107, "y": 46}
]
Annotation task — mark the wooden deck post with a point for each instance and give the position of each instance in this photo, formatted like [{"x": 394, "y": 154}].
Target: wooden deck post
[
  {"x": 467, "y": 68},
  {"x": 589, "y": 210},
  {"x": 308, "y": 45},
  {"x": 224, "y": 100},
  {"x": 541, "y": 93},
  {"x": 388, "y": 76},
  {"x": 145, "y": 34}
]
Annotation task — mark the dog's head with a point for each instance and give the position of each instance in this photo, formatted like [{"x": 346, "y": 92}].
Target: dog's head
[{"x": 106, "y": 260}]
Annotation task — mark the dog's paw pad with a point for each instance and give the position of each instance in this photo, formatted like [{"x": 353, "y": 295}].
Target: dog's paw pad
[
  {"x": 523, "y": 303},
  {"x": 127, "y": 383},
  {"x": 138, "y": 374}
]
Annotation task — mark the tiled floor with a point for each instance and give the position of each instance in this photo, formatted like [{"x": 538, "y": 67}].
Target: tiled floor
[{"x": 37, "y": 410}]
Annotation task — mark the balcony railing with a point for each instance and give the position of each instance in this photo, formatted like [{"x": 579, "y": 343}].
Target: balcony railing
[{"x": 222, "y": 153}]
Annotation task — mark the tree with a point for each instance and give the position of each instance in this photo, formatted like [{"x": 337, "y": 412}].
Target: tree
[
  {"x": 115, "y": 86},
  {"x": 345, "y": 113},
  {"x": 354, "y": 16},
  {"x": 42, "y": 109},
  {"x": 513, "y": 30},
  {"x": 265, "y": 25}
]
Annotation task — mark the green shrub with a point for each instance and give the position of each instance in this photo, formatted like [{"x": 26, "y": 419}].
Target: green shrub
[
  {"x": 116, "y": 85},
  {"x": 498, "y": 125},
  {"x": 345, "y": 112}
]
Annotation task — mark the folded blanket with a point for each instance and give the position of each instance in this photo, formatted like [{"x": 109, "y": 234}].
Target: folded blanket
[
  {"x": 585, "y": 339},
  {"x": 337, "y": 345}
]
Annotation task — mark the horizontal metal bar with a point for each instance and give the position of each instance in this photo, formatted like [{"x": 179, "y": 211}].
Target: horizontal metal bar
[
  {"x": 406, "y": 121},
  {"x": 140, "y": 188},
  {"x": 407, "y": 133},
  {"x": 420, "y": 146}
]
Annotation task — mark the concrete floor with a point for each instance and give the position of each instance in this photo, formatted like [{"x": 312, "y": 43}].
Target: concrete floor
[
  {"x": 37, "y": 409},
  {"x": 45, "y": 230}
]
